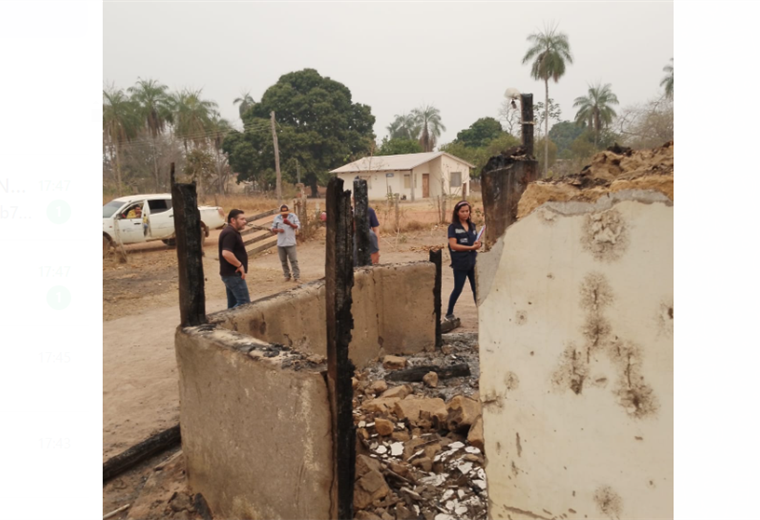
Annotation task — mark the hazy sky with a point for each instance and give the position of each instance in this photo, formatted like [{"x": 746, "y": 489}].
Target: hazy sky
[{"x": 459, "y": 57}]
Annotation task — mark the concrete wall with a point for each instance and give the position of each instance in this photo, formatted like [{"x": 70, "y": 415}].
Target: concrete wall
[
  {"x": 443, "y": 167},
  {"x": 392, "y": 309},
  {"x": 576, "y": 356},
  {"x": 256, "y": 430}
]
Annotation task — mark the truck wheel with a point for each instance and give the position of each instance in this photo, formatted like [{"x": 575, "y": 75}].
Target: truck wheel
[
  {"x": 169, "y": 242},
  {"x": 106, "y": 245}
]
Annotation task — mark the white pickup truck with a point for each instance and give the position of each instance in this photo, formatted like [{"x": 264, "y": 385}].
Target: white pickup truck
[{"x": 142, "y": 218}]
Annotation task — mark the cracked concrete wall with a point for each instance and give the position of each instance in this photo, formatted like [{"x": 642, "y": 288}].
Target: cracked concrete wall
[
  {"x": 256, "y": 434},
  {"x": 576, "y": 353},
  {"x": 393, "y": 311}
]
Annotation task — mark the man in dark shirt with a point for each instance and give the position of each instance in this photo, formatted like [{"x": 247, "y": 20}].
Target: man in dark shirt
[{"x": 233, "y": 260}]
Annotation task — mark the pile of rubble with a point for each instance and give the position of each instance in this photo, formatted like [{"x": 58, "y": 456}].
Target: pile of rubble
[
  {"x": 420, "y": 450},
  {"x": 615, "y": 169}
]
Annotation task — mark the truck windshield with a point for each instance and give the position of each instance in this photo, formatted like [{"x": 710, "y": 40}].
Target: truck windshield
[{"x": 111, "y": 208}]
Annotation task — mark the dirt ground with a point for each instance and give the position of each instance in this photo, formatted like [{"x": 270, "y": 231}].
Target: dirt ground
[{"x": 140, "y": 313}]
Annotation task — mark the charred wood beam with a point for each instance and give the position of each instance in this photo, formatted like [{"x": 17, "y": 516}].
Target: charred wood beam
[
  {"x": 361, "y": 223},
  {"x": 339, "y": 280},
  {"x": 417, "y": 373},
  {"x": 188, "y": 236},
  {"x": 435, "y": 257},
  {"x": 526, "y": 109},
  {"x": 141, "y": 452}
]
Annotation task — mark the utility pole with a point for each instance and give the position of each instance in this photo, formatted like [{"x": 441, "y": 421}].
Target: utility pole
[
  {"x": 277, "y": 162},
  {"x": 298, "y": 172}
]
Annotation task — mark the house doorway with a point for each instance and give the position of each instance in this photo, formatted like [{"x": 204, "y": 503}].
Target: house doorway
[{"x": 425, "y": 185}]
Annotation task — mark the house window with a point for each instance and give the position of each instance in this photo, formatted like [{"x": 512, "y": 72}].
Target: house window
[
  {"x": 456, "y": 179},
  {"x": 407, "y": 181}
]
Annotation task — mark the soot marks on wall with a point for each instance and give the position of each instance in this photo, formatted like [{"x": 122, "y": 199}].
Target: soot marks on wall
[
  {"x": 664, "y": 318},
  {"x": 608, "y": 502},
  {"x": 511, "y": 381},
  {"x": 575, "y": 365},
  {"x": 259, "y": 325},
  {"x": 632, "y": 392},
  {"x": 605, "y": 235},
  {"x": 596, "y": 293},
  {"x": 572, "y": 371}
]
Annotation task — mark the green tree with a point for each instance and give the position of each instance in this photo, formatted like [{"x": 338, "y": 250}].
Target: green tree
[
  {"x": 595, "y": 109},
  {"x": 549, "y": 51},
  {"x": 552, "y": 155},
  {"x": 554, "y": 112},
  {"x": 200, "y": 167},
  {"x": 429, "y": 120},
  {"x": 398, "y": 146},
  {"x": 317, "y": 124},
  {"x": 480, "y": 133},
  {"x": 244, "y": 102},
  {"x": 192, "y": 116},
  {"x": 121, "y": 124},
  {"x": 404, "y": 127},
  {"x": 563, "y": 134},
  {"x": 667, "y": 80},
  {"x": 152, "y": 99}
]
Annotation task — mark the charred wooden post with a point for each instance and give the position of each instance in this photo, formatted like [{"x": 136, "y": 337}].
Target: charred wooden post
[
  {"x": 526, "y": 109},
  {"x": 188, "y": 233},
  {"x": 415, "y": 374},
  {"x": 505, "y": 177},
  {"x": 339, "y": 280},
  {"x": 502, "y": 189},
  {"x": 361, "y": 223},
  {"x": 141, "y": 452},
  {"x": 435, "y": 257}
]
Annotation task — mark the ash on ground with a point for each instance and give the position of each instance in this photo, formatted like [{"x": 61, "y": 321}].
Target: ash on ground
[{"x": 420, "y": 443}]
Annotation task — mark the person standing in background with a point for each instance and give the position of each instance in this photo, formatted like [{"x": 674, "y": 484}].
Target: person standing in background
[
  {"x": 285, "y": 226},
  {"x": 463, "y": 246}
]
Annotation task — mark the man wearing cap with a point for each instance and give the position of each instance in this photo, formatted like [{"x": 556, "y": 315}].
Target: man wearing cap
[{"x": 285, "y": 226}]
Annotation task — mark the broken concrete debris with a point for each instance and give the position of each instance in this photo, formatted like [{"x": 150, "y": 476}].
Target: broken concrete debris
[{"x": 420, "y": 444}]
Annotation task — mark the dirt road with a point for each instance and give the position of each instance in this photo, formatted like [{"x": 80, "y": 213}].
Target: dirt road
[{"x": 140, "y": 394}]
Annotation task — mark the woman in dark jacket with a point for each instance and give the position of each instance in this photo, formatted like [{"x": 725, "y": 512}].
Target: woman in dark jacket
[{"x": 463, "y": 247}]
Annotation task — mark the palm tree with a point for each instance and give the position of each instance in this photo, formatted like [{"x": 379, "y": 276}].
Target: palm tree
[
  {"x": 192, "y": 116},
  {"x": 667, "y": 80},
  {"x": 219, "y": 128},
  {"x": 595, "y": 109},
  {"x": 153, "y": 101},
  {"x": 549, "y": 50},
  {"x": 121, "y": 122},
  {"x": 428, "y": 119},
  {"x": 404, "y": 127},
  {"x": 245, "y": 101}
]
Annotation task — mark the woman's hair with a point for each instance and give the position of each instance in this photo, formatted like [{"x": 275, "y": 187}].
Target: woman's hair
[{"x": 455, "y": 215}]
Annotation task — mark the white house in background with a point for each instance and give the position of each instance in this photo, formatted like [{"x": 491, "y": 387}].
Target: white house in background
[{"x": 414, "y": 175}]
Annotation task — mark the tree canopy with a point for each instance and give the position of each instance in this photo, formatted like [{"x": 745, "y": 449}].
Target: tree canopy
[
  {"x": 317, "y": 124},
  {"x": 549, "y": 50},
  {"x": 480, "y": 133},
  {"x": 595, "y": 109},
  {"x": 399, "y": 146},
  {"x": 667, "y": 80}
]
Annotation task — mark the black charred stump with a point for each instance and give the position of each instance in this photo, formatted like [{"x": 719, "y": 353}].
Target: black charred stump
[{"x": 504, "y": 179}]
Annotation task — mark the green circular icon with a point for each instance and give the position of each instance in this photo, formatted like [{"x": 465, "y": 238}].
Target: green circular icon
[
  {"x": 59, "y": 211},
  {"x": 59, "y": 297}
]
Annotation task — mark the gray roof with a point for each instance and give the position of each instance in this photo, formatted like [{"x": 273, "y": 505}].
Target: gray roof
[{"x": 385, "y": 163}]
